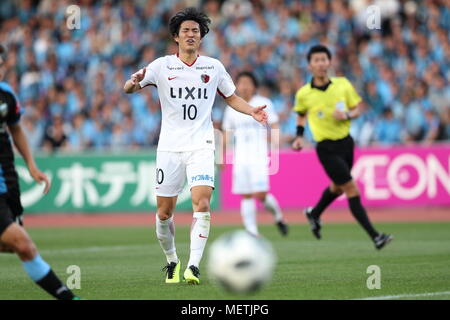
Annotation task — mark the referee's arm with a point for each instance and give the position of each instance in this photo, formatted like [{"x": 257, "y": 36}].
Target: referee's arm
[
  {"x": 353, "y": 113},
  {"x": 297, "y": 144}
]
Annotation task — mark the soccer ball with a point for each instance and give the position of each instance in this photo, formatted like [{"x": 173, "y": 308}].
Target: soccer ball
[{"x": 240, "y": 262}]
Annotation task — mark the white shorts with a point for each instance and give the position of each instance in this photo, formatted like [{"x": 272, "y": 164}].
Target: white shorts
[
  {"x": 250, "y": 178},
  {"x": 172, "y": 169}
]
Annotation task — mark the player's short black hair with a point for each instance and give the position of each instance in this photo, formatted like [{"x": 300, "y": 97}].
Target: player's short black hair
[
  {"x": 190, "y": 13},
  {"x": 316, "y": 49},
  {"x": 250, "y": 75}
]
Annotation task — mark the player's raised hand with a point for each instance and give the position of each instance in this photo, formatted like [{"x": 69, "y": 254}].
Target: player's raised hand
[
  {"x": 138, "y": 76},
  {"x": 40, "y": 177},
  {"x": 259, "y": 114},
  {"x": 297, "y": 144}
]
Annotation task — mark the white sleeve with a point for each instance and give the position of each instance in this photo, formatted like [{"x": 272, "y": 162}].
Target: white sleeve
[
  {"x": 226, "y": 86},
  {"x": 227, "y": 123},
  {"x": 151, "y": 74},
  {"x": 273, "y": 116}
]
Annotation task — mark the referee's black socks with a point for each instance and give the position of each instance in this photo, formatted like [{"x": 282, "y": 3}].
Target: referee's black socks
[
  {"x": 360, "y": 215},
  {"x": 325, "y": 200}
]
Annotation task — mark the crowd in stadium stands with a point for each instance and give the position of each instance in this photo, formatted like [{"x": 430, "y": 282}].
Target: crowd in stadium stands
[{"x": 70, "y": 81}]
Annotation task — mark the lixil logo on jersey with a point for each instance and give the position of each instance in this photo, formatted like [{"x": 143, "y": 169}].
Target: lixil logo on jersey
[
  {"x": 188, "y": 93},
  {"x": 205, "y": 78}
]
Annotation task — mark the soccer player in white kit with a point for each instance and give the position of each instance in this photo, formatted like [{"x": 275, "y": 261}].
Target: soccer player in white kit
[
  {"x": 187, "y": 84},
  {"x": 250, "y": 156}
]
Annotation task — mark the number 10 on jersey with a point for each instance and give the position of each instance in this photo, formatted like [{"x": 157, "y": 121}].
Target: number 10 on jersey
[{"x": 189, "y": 112}]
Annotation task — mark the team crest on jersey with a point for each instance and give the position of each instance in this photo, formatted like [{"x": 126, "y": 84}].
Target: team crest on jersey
[
  {"x": 3, "y": 109},
  {"x": 205, "y": 78}
]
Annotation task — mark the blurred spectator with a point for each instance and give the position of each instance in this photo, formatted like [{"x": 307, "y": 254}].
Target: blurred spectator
[
  {"x": 388, "y": 130},
  {"x": 434, "y": 129},
  {"x": 77, "y": 140},
  {"x": 55, "y": 136},
  {"x": 119, "y": 137},
  {"x": 373, "y": 98},
  {"x": 414, "y": 121},
  {"x": 76, "y": 76},
  {"x": 362, "y": 128},
  {"x": 33, "y": 131},
  {"x": 439, "y": 96}
]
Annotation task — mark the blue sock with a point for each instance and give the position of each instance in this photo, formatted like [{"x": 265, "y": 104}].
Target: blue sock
[{"x": 36, "y": 268}]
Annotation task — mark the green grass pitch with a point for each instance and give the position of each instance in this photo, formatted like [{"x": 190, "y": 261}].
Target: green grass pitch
[{"x": 125, "y": 263}]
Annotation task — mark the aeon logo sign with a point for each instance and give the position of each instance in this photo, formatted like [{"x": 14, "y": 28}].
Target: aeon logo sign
[{"x": 406, "y": 176}]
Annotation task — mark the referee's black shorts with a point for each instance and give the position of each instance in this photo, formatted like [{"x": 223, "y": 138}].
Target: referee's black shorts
[
  {"x": 336, "y": 157},
  {"x": 10, "y": 206}
]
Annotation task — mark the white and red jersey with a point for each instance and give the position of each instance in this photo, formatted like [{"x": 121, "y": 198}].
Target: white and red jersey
[
  {"x": 250, "y": 136},
  {"x": 187, "y": 93}
]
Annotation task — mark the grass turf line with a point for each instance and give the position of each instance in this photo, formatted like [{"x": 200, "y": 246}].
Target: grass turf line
[{"x": 125, "y": 263}]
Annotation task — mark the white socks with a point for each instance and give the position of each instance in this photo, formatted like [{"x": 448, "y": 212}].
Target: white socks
[
  {"x": 165, "y": 232},
  {"x": 199, "y": 236},
  {"x": 248, "y": 213},
  {"x": 271, "y": 204}
]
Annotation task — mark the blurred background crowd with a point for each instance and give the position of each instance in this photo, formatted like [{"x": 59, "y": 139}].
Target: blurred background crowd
[{"x": 70, "y": 81}]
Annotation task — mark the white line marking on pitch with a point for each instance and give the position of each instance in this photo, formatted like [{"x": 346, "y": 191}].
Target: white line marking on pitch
[
  {"x": 399, "y": 296},
  {"x": 91, "y": 249}
]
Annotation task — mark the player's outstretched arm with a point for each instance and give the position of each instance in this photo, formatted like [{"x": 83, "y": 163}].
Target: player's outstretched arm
[
  {"x": 20, "y": 141},
  {"x": 132, "y": 84},
  {"x": 239, "y": 104},
  {"x": 274, "y": 136}
]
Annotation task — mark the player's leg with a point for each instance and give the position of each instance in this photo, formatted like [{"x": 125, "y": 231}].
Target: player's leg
[
  {"x": 13, "y": 237},
  {"x": 16, "y": 238},
  {"x": 354, "y": 201},
  {"x": 331, "y": 193},
  {"x": 165, "y": 227},
  {"x": 337, "y": 169},
  {"x": 327, "y": 157},
  {"x": 258, "y": 176},
  {"x": 201, "y": 197},
  {"x": 242, "y": 186},
  {"x": 6, "y": 219},
  {"x": 271, "y": 204},
  {"x": 165, "y": 233},
  {"x": 359, "y": 212},
  {"x": 170, "y": 179},
  {"x": 343, "y": 179},
  {"x": 200, "y": 175},
  {"x": 248, "y": 214},
  {"x": 11, "y": 208},
  {"x": 5, "y": 248}
]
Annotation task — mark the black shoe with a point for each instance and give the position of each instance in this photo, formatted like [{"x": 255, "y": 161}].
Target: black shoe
[
  {"x": 283, "y": 227},
  {"x": 313, "y": 222},
  {"x": 382, "y": 240},
  {"x": 172, "y": 272},
  {"x": 191, "y": 275}
]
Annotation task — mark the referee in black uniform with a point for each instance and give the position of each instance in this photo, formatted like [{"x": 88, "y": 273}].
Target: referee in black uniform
[
  {"x": 13, "y": 237},
  {"x": 330, "y": 104}
]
